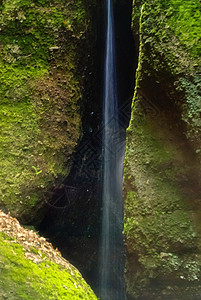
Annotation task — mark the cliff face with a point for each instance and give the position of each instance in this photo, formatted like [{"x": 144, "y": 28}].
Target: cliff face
[
  {"x": 42, "y": 46},
  {"x": 162, "y": 177}
]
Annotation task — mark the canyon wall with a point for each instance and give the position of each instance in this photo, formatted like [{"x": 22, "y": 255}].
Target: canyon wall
[
  {"x": 44, "y": 54},
  {"x": 162, "y": 178}
]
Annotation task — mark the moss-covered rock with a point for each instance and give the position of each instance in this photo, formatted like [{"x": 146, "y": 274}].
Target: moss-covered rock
[
  {"x": 162, "y": 166},
  {"x": 41, "y": 46},
  {"x": 31, "y": 269}
]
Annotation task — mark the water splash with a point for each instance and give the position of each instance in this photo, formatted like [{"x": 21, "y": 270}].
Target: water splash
[{"x": 112, "y": 250}]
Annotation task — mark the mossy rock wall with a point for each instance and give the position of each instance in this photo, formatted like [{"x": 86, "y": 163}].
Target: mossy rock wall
[
  {"x": 31, "y": 269},
  {"x": 43, "y": 57},
  {"x": 162, "y": 178}
]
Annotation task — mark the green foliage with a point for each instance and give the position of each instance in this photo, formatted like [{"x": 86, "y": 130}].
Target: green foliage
[
  {"x": 20, "y": 278},
  {"x": 183, "y": 18},
  {"x": 37, "y": 171}
]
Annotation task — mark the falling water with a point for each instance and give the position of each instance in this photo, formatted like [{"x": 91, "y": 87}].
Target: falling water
[{"x": 112, "y": 254}]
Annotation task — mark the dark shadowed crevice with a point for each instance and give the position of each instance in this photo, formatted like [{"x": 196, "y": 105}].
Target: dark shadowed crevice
[{"x": 72, "y": 218}]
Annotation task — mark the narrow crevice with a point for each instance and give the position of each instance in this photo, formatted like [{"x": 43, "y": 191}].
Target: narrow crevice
[{"x": 72, "y": 218}]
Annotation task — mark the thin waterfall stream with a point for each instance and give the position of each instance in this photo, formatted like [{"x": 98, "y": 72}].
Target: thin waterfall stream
[
  {"x": 84, "y": 214},
  {"x": 112, "y": 249}
]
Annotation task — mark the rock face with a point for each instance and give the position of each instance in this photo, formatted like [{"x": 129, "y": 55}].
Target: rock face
[
  {"x": 42, "y": 46},
  {"x": 162, "y": 179},
  {"x": 31, "y": 269}
]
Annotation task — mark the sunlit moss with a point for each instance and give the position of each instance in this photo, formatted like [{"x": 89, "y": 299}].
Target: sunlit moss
[{"x": 21, "y": 278}]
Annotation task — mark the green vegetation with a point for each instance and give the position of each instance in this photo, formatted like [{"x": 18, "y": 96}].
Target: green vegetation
[
  {"x": 23, "y": 279},
  {"x": 165, "y": 19},
  {"x": 161, "y": 237},
  {"x": 169, "y": 54},
  {"x": 154, "y": 197},
  {"x": 162, "y": 163},
  {"x": 41, "y": 80},
  {"x": 185, "y": 20}
]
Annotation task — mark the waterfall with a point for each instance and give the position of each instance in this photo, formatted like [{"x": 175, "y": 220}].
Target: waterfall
[{"x": 112, "y": 250}]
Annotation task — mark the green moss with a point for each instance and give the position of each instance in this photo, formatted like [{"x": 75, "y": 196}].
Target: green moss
[
  {"x": 175, "y": 17},
  {"x": 171, "y": 34},
  {"x": 185, "y": 21},
  {"x": 161, "y": 237},
  {"x": 21, "y": 278},
  {"x": 19, "y": 132},
  {"x": 157, "y": 200},
  {"x": 169, "y": 56},
  {"x": 163, "y": 144},
  {"x": 160, "y": 232},
  {"x": 41, "y": 81}
]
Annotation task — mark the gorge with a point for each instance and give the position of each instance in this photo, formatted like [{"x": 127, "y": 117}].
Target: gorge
[
  {"x": 52, "y": 64},
  {"x": 75, "y": 226}
]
